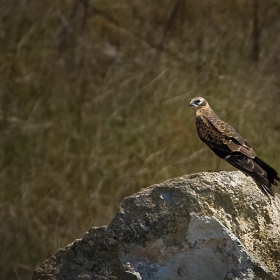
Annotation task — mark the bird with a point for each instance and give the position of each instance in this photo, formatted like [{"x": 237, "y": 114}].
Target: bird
[{"x": 228, "y": 145}]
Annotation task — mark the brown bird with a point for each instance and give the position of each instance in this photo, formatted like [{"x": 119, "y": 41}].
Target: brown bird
[{"x": 227, "y": 144}]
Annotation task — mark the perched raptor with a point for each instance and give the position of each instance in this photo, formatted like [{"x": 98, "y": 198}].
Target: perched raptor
[{"x": 227, "y": 144}]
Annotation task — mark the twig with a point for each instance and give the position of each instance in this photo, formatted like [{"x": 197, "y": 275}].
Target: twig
[
  {"x": 256, "y": 32},
  {"x": 167, "y": 29},
  {"x": 159, "y": 48},
  {"x": 67, "y": 24}
]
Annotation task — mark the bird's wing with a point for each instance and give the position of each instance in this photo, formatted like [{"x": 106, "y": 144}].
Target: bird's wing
[{"x": 231, "y": 138}]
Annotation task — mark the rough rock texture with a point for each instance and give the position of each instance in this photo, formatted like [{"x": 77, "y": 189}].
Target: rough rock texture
[{"x": 199, "y": 226}]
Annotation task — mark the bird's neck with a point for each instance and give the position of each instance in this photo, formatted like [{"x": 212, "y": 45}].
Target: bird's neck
[{"x": 206, "y": 111}]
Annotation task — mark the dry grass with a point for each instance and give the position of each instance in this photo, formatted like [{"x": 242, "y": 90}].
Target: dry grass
[{"x": 94, "y": 106}]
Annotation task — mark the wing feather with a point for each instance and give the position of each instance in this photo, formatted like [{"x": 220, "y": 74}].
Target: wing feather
[{"x": 235, "y": 141}]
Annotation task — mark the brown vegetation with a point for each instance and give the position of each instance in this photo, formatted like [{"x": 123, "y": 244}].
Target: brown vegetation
[{"x": 94, "y": 106}]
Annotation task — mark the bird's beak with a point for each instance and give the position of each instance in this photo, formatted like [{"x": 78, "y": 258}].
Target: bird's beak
[{"x": 191, "y": 104}]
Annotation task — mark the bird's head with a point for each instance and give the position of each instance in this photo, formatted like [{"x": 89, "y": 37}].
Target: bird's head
[{"x": 198, "y": 102}]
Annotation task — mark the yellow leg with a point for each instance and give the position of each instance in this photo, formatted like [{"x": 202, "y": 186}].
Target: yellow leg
[{"x": 218, "y": 159}]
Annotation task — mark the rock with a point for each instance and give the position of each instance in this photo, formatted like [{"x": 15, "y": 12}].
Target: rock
[{"x": 201, "y": 226}]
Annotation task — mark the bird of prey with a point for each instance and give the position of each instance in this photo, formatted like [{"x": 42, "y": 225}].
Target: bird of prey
[{"x": 227, "y": 144}]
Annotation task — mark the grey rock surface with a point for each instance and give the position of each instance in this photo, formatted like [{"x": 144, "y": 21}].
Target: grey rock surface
[{"x": 202, "y": 226}]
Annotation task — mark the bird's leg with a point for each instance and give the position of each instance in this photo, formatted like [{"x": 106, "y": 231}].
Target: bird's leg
[{"x": 218, "y": 159}]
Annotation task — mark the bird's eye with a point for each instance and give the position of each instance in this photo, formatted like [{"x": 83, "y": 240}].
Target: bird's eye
[{"x": 198, "y": 101}]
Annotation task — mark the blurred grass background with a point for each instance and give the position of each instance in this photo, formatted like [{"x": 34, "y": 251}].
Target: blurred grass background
[{"x": 94, "y": 106}]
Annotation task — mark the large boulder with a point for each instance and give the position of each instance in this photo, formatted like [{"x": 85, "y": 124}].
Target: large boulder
[{"x": 202, "y": 226}]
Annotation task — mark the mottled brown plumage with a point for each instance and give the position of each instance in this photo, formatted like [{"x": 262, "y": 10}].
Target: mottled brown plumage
[{"x": 227, "y": 144}]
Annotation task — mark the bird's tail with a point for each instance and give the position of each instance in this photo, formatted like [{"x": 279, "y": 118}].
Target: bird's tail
[
  {"x": 265, "y": 189},
  {"x": 272, "y": 175},
  {"x": 257, "y": 169}
]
